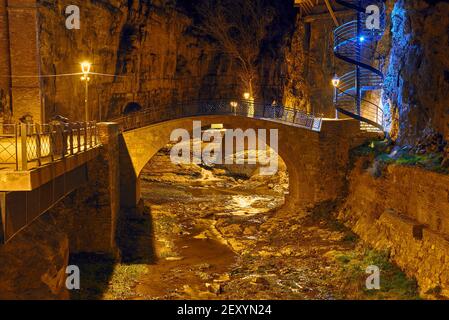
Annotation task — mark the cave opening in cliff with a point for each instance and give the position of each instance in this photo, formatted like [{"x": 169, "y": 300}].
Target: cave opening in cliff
[{"x": 131, "y": 108}]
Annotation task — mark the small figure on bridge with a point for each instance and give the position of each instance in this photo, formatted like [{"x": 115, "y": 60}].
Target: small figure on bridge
[
  {"x": 59, "y": 119},
  {"x": 28, "y": 120},
  {"x": 278, "y": 109}
]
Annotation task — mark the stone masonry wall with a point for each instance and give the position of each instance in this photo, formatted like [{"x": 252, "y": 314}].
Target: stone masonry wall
[
  {"x": 90, "y": 214},
  {"x": 405, "y": 211}
]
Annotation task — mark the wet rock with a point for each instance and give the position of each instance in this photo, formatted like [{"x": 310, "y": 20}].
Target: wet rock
[
  {"x": 203, "y": 266},
  {"x": 249, "y": 231},
  {"x": 259, "y": 280},
  {"x": 287, "y": 251},
  {"x": 268, "y": 254},
  {"x": 206, "y": 214},
  {"x": 233, "y": 229},
  {"x": 223, "y": 278},
  {"x": 203, "y": 235},
  {"x": 214, "y": 288},
  {"x": 203, "y": 275},
  {"x": 174, "y": 258}
]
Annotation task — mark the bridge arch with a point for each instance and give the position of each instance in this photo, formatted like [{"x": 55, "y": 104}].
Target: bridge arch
[{"x": 312, "y": 158}]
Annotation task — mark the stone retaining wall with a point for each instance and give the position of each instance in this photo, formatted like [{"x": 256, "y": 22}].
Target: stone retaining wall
[{"x": 405, "y": 211}]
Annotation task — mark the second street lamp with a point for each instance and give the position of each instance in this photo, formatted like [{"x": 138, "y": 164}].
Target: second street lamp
[
  {"x": 336, "y": 83},
  {"x": 85, "y": 68}
]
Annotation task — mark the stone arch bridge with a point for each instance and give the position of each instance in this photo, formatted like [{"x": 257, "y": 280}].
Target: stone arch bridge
[{"x": 90, "y": 186}]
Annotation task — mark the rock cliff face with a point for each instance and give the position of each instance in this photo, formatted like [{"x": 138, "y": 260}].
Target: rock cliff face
[
  {"x": 34, "y": 262},
  {"x": 311, "y": 64},
  {"x": 412, "y": 54},
  {"x": 146, "y": 44},
  {"x": 153, "y": 49},
  {"x": 417, "y": 74}
]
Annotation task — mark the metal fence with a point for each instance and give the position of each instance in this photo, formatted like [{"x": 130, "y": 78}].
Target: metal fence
[
  {"x": 26, "y": 146},
  {"x": 245, "y": 108}
]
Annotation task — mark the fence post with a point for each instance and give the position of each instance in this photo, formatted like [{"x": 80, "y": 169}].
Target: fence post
[
  {"x": 63, "y": 140},
  {"x": 70, "y": 129},
  {"x": 78, "y": 134},
  {"x": 51, "y": 143},
  {"x": 38, "y": 145},
  {"x": 91, "y": 132},
  {"x": 95, "y": 134},
  {"x": 85, "y": 136},
  {"x": 16, "y": 137},
  {"x": 23, "y": 157}
]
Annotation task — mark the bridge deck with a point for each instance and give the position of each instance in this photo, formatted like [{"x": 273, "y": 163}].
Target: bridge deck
[{"x": 246, "y": 108}]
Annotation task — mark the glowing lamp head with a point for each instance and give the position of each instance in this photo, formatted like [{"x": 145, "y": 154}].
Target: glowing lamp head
[
  {"x": 246, "y": 95},
  {"x": 335, "y": 81},
  {"x": 362, "y": 38},
  {"x": 85, "y": 67},
  {"x": 234, "y": 104}
]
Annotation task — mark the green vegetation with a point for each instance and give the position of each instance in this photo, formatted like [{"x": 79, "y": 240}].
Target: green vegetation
[
  {"x": 375, "y": 148},
  {"x": 123, "y": 280},
  {"x": 393, "y": 282},
  {"x": 95, "y": 272},
  {"x": 380, "y": 151},
  {"x": 103, "y": 278}
]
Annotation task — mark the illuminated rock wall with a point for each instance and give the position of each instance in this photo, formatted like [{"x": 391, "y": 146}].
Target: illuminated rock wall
[
  {"x": 417, "y": 74},
  {"x": 153, "y": 48},
  {"x": 147, "y": 44}
]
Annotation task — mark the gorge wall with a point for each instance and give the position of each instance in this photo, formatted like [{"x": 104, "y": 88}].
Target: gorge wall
[
  {"x": 146, "y": 44},
  {"x": 153, "y": 49},
  {"x": 412, "y": 55},
  {"x": 405, "y": 211},
  {"x": 417, "y": 73}
]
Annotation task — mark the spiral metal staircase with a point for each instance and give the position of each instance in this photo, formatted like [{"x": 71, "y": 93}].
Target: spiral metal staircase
[{"x": 356, "y": 45}]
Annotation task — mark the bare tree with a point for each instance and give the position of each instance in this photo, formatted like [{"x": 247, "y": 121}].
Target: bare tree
[{"x": 239, "y": 27}]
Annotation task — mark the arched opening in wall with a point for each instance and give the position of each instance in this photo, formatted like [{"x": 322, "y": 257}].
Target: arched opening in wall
[
  {"x": 202, "y": 213},
  {"x": 132, "y": 107}
]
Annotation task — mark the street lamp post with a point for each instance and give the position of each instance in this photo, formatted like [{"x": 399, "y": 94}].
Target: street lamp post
[
  {"x": 85, "y": 67},
  {"x": 336, "y": 83},
  {"x": 250, "y": 102}
]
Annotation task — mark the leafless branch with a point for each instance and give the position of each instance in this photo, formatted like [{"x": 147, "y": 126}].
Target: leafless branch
[{"x": 239, "y": 27}]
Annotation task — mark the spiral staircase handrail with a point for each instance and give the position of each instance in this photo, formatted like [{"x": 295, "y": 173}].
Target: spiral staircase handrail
[{"x": 351, "y": 45}]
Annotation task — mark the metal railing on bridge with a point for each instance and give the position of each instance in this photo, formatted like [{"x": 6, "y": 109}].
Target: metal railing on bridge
[
  {"x": 245, "y": 108},
  {"x": 27, "y": 146}
]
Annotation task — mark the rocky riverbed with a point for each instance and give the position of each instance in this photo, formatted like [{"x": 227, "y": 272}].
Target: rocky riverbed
[{"x": 214, "y": 233}]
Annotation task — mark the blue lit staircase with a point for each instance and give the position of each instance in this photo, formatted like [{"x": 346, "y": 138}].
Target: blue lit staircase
[{"x": 356, "y": 45}]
